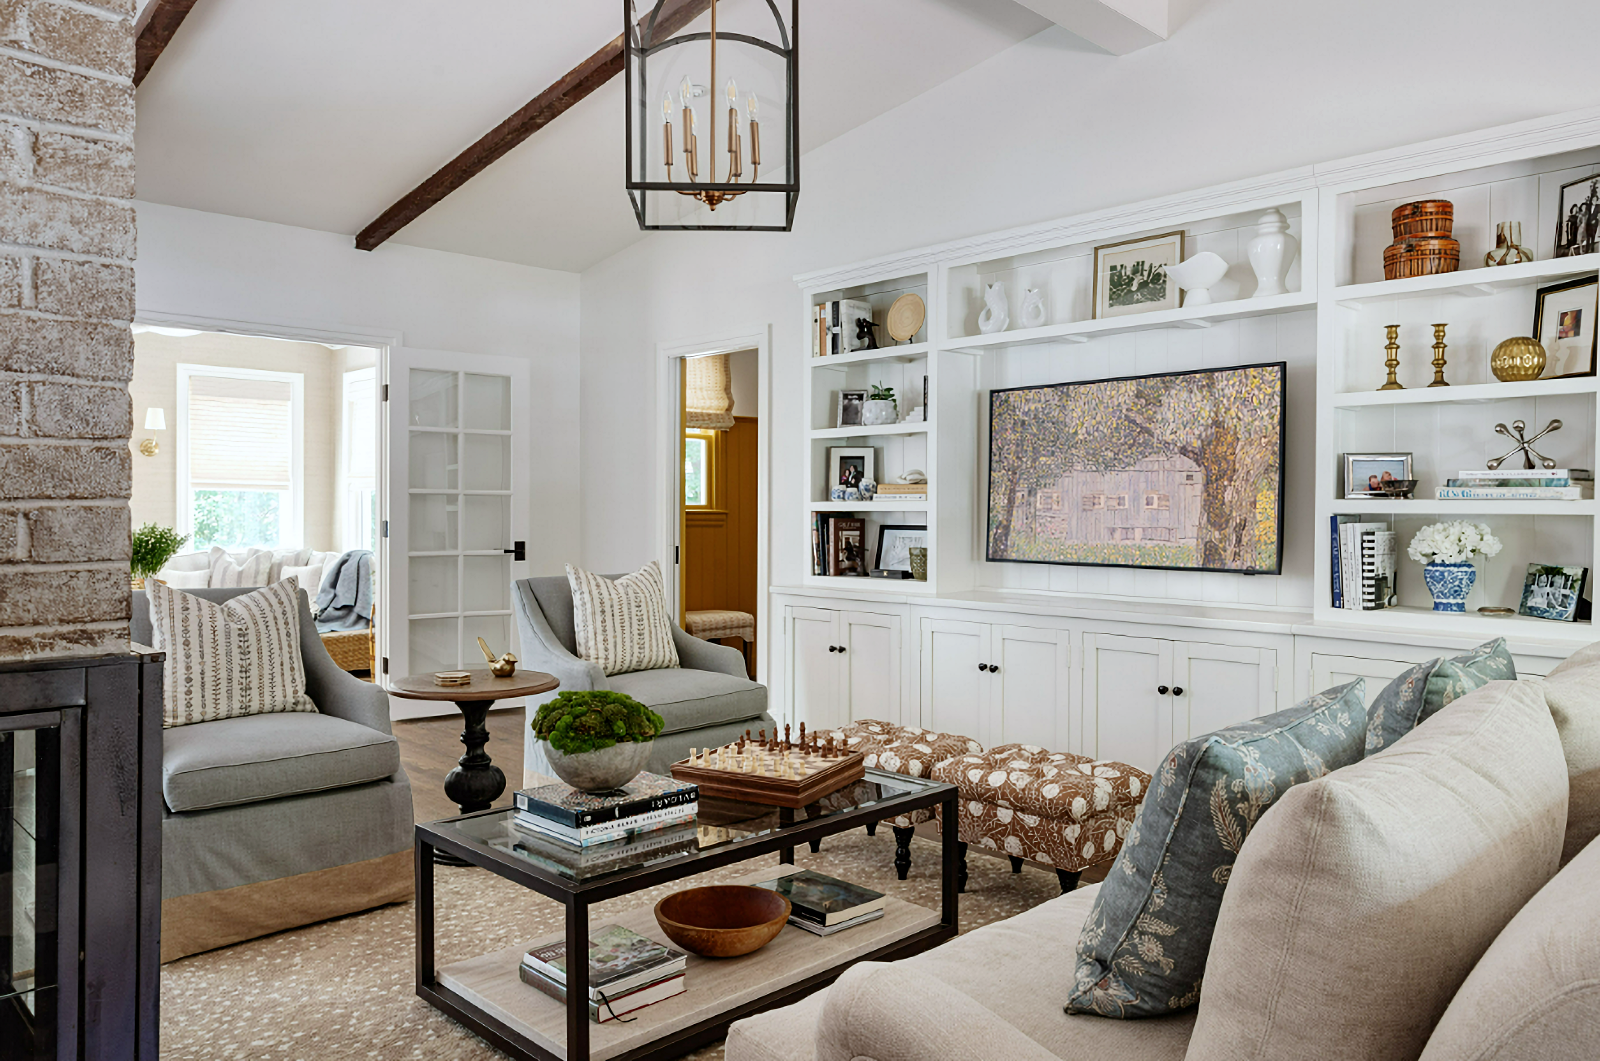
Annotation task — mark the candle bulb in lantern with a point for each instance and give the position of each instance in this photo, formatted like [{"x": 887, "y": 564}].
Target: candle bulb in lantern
[
  {"x": 753, "y": 109},
  {"x": 666, "y": 131},
  {"x": 733, "y": 129}
]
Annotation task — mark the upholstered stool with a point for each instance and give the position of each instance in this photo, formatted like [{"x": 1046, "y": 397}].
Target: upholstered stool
[
  {"x": 716, "y": 624},
  {"x": 905, "y": 750},
  {"x": 1063, "y": 810}
]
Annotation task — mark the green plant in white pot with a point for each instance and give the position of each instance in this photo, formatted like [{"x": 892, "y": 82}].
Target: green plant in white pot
[
  {"x": 1446, "y": 550},
  {"x": 880, "y": 407},
  {"x": 596, "y": 740},
  {"x": 153, "y": 546}
]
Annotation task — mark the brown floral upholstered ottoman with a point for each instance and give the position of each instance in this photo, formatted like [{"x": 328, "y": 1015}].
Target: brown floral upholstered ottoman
[
  {"x": 901, "y": 750},
  {"x": 1060, "y": 809}
]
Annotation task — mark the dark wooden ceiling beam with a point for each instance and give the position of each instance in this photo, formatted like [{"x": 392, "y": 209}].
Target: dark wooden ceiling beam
[
  {"x": 161, "y": 20},
  {"x": 540, "y": 111}
]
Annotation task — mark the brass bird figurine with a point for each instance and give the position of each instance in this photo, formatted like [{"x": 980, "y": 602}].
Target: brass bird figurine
[{"x": 500, "y": 666}]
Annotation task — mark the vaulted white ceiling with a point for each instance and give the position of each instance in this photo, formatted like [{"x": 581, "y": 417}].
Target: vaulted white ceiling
[{"x": 321, "y": 113}]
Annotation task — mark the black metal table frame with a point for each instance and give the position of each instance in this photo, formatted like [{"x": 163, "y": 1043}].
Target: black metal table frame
[{"x": 578, "y": 896}]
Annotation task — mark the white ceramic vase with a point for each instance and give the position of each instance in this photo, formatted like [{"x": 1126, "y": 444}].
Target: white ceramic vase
[
  {"x": 1197, "y": 276},
  {"x": 1272, "y": 252},
  {"x": 995, "y": 316},
  {"x": 1033, "y": 308},
  {"x": 875, "y": 414}
]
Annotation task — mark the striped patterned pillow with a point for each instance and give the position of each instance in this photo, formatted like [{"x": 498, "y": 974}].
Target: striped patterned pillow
[
  {"x": 226, "y": 572},
  {"x": 240, "y": 657},
  {"x": 622, "y": 625}
]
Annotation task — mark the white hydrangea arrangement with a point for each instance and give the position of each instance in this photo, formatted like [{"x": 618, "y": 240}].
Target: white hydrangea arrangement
[{"x": 1455, "y": 542}]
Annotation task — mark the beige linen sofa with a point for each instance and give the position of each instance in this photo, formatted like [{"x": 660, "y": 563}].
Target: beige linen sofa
[{"x": 1407, "y": 906}]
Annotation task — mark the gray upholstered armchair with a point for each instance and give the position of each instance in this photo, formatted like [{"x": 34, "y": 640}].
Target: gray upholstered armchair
[
  {"x": 706, "y": 702},
  {"x": 279, "y": 820}
]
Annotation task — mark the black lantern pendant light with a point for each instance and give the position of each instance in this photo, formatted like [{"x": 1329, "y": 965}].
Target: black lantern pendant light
[{"x": 705, "y": 153}]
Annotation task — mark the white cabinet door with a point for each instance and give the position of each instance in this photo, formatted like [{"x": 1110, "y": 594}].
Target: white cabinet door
[
  {"x": 1217, "y": 685},
  {"x": 1126, "y": 716},
  {"x": 871, "y": 667},
  {"x": 1028, "y": 704},
  {"x": 1328, "y": 671},
  {"x": 953, "y": 688},
  {"x": 813, "y": 669}
]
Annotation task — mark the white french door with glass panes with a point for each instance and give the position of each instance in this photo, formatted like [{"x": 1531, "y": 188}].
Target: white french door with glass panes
[{"x": 458, "y": 449}]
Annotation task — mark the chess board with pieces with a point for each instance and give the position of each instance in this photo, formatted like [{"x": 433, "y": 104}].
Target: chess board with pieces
[{"x": 775, "y": 771}]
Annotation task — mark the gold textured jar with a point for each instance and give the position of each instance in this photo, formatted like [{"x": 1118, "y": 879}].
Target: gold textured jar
[{"x": 1517, "y": 359}]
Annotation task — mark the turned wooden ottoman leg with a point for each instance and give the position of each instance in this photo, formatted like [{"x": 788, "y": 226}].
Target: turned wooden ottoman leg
[
  {"x": 902, "y": 850},
  {"x": 1069, "y": 881},
  {"x": 961, "y": 870},
  {"x": 1016, "y": 863},
  {"x": 872, "y": 828}
]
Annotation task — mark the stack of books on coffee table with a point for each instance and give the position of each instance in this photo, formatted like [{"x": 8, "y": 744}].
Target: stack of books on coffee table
[
  {"x": 581, "y": 819},
  {"x": 627, "y": 971},
  {"x": 823, "y": 905}
]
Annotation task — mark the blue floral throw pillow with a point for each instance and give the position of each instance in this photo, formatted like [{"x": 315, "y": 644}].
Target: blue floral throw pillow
[
  {"x": 1424, "y": 689},
  {"x": 1142, "y": 952}
]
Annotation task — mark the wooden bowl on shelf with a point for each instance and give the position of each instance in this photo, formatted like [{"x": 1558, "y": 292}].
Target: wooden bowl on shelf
[{"x": 723, "y": 920}]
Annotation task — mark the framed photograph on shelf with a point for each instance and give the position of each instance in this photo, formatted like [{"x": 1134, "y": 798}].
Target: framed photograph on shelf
[
  {"x": 1131, "y": 276},
  {"x": 1365, "y": 473},
  {"x": 848, "y": 465},
  {"x": 895, "y": 543},
  {"x": 1550, "y": 592},
  {"x": 1578, "y": 223},
  {"x": 850, "y": 403},
  {"x": 1564, "y": 324}
]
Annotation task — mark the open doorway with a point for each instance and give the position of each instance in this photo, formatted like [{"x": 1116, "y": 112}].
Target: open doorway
[
  {"x": 260, "y": 457},
  {"x": 719, "y": 588}
]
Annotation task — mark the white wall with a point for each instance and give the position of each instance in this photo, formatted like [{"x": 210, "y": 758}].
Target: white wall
[
  {"x": 210, "y": 265},
  {"x": 1047, "y": 129}
]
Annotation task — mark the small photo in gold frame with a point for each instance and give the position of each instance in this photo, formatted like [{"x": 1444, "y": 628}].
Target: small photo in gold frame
[
  {"x": 1564, "y": 323},
  {"x": 1132, "y": 277}
]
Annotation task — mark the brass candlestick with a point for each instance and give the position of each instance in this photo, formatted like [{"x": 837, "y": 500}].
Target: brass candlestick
[
  {"x": 1392, "y": 361},
  {"x": 1438, "y": 357}
]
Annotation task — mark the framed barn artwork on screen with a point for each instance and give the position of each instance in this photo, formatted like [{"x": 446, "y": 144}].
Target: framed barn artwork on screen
[{"x": 1182, "y": 471}]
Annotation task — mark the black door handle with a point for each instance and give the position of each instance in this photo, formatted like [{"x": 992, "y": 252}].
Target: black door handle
[
  {"x": 1177, "y": 690},
  {"x": 1163, "y": 690},
  {"x": 983, "y": 666},
  {"x": 518, "y": 551}
]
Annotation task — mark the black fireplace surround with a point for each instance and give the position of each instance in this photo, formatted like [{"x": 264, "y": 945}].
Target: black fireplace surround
[{"x": 80, "y": 858}]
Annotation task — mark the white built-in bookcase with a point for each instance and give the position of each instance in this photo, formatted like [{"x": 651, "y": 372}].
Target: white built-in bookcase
[{"x": 1329, "y": 328}]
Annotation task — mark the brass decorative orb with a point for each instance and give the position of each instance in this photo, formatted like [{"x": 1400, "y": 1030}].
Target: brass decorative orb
[{"x": 1517, "y": 359}]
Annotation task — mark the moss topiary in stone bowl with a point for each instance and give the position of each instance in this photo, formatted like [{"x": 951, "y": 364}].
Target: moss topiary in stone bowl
[{"x": 596, "y": 740}]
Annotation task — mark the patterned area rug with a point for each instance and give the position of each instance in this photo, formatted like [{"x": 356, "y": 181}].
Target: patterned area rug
[{"x": 344, "y": 989}]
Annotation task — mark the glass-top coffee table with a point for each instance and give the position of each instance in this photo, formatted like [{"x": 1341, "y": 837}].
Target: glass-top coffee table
[{"x": 486, "y": 994}]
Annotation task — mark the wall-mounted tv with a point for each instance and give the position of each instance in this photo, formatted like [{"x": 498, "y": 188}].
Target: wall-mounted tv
[{"x": 1182, "y": 471}]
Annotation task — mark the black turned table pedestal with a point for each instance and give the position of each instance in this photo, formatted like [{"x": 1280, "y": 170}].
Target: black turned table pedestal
[{"x": 476, "y": 782}]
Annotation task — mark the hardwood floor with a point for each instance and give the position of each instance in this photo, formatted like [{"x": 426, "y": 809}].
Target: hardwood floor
[{"x": 429, "y": 748}]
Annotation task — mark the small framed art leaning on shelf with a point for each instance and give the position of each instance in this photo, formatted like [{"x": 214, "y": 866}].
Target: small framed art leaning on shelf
[
  {"x": 1564, "y": 324},
  {"x": 1131, "y": 276}
]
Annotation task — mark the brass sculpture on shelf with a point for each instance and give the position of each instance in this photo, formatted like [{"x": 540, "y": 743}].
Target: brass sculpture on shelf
[
  {"x": 1392, "y": 360},
  {"x": 1518, "y": 360},
  {"x": 1438, "y": 356},
  {"x": 1524, "y": 445},
  {"x": 501, "y": 667}
]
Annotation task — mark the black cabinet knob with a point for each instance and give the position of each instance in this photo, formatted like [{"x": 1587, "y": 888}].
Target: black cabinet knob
[
  {"x": 994, "y": 668},
  {"x": 833, "y": 648},
  {"x": 841, "y": 650},
  {"x": 1177, "y": 690},
  {"x": 1163, "y": 690},
  {"x": 983, "y": 666}
]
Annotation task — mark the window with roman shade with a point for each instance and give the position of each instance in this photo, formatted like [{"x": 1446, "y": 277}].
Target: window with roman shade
[
  {"x": 708, "y": 393},
  {"x": 241, "y": 452}
]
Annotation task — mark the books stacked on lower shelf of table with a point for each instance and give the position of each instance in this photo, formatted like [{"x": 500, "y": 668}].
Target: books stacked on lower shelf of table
[
  {"x": 1363, "y": 565},
  {"x": 823, "y": 905},
  {"x": 627, "y": 971},
  {"x": 582, "y": 819},
  {"x": 581, "y": 862},
  {"x": 1519, "y": 484}
]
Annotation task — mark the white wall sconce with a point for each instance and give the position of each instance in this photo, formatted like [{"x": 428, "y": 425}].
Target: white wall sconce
[{"x": 154, "y": 420}]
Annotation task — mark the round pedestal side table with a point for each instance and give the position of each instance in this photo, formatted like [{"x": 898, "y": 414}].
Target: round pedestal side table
[{"x": 476, "y": 782}]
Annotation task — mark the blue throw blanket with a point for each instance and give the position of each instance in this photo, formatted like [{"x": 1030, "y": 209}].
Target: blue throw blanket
[{"x": 344, "y": 600}]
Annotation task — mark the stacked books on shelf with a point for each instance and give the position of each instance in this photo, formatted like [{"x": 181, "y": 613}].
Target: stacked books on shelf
[
  {"x": 1517, "y": 484},
  {"x": 1363, "y": 567},
  {"x": 902, "y": 491},
  {"x": 580, "y": 819},
  {"x": 838, "y": 544},
  {"x": 823, "y": 905},
  {"x": 834, "y": 326},
  {"x": 627, "y": 971},
  {"x": 581, "y": 862}
]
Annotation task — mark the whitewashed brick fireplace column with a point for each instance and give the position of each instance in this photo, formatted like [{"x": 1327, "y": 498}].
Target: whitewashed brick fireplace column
[{"x": 66, "y": 301}]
